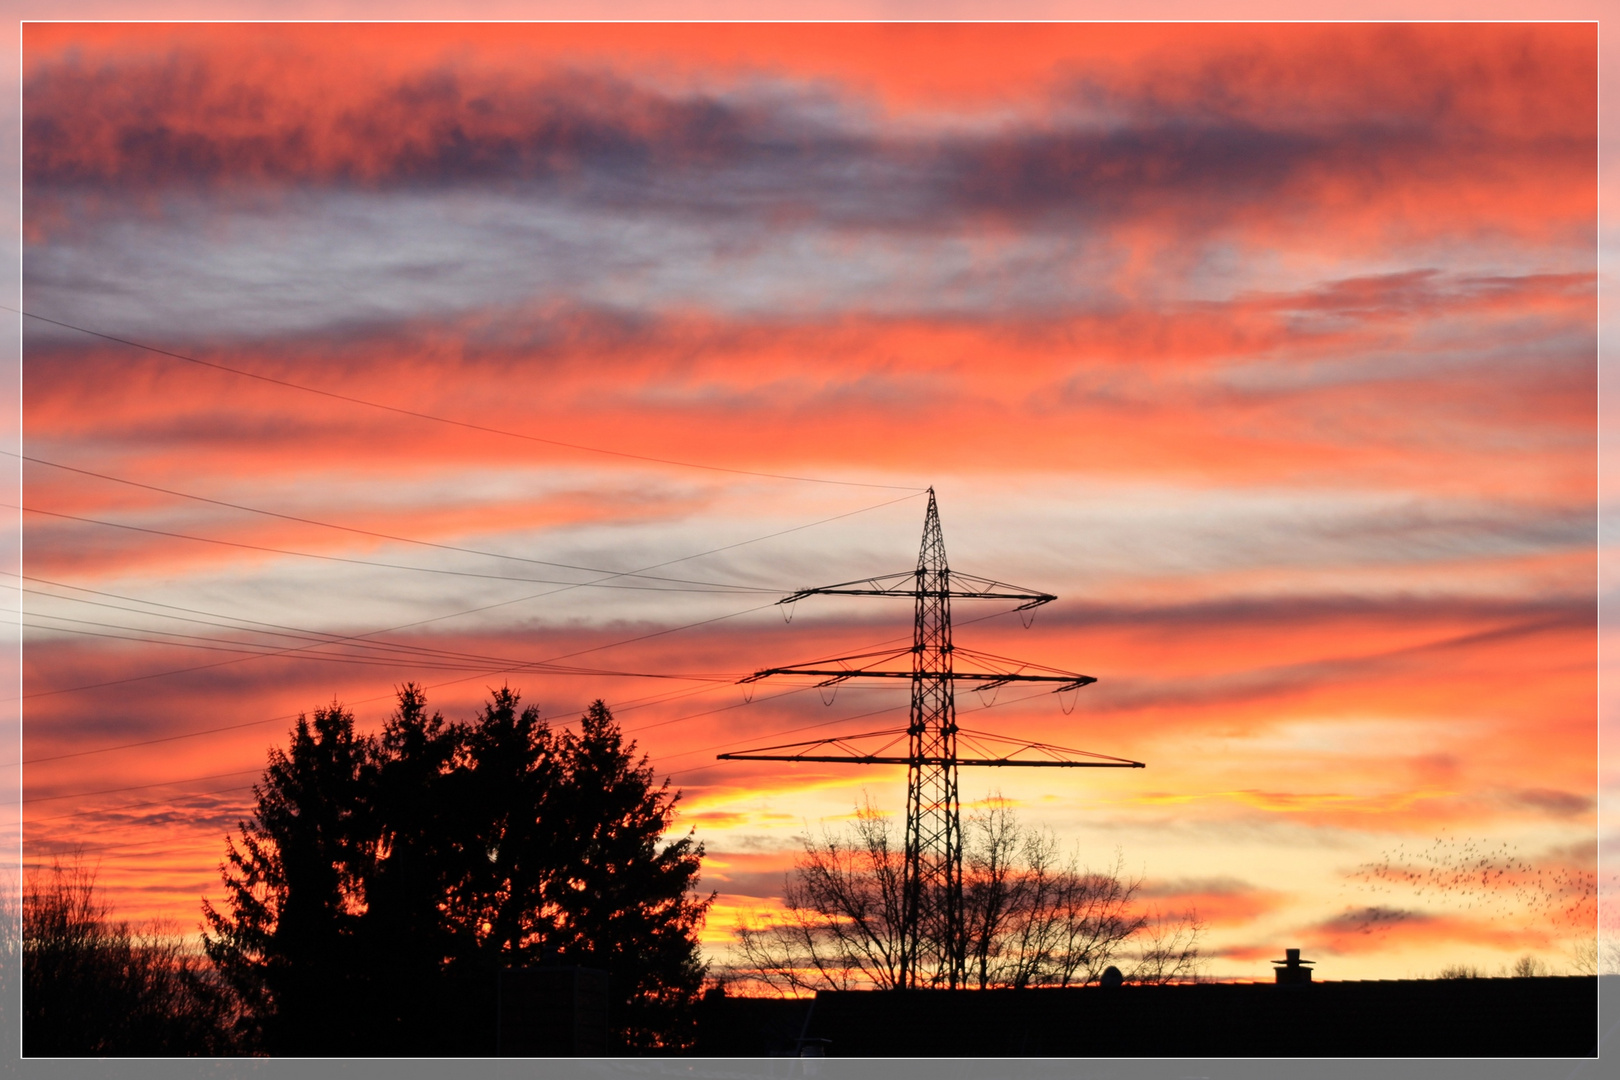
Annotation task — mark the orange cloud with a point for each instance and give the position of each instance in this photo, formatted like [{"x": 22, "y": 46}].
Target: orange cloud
[
  {"x": 1218, "y": 902},
  {"x": 1135, "y": 394},
  {"x": 1471, "y": 125}
]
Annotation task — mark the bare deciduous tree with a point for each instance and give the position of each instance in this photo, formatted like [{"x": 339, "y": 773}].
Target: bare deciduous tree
[
  {"x": 1528, "y": 967},
  {"x": 10, "y": 960},
  {"x": 1586, "y": 958},
  {"x": 94, "y": 987},
  {"x": 1032, "y": 917},
  {"x": 1167, "y": 948},
  {"x": 1461, "y": 971},
  {"x": 841, "y": 924}
]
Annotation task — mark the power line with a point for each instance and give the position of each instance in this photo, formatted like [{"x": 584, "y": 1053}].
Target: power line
[
  {"x": 795, "y": 690},
  {"x": 186, "y": 735},
  {"x": 138, "y": 787},
  {"x": 243, "y": 649},
  {"x": 400, "y": 650},
  {"x": 622, "y": 707},
  {"x": 240, "y": 772},
  {"x": 380, "y": 697},
  {"x": 393, "y": 651},
  {"x": 446, "y": 420},
  {"x": 674, "y": 757},
  {"x": 518, "y": 600},
  {"x": 713, "y": 587},
  {"x": 251, "y": 649},
  {"x": 361, "y": 701},
  {"x": 403, "y": 652},
  {"x": 981, "y": 707},
  {"x": 116, "y": 848},
  {"x": 619, "y": 708},
  {"x": 363, "y": 532},
  {"x": 533, "y": 666},
  {"x": 387, "y": 649},
  {"x": 396, "y": 650},
  {"x": 630, "y": 705},
  {"x": 121, "y": 807}
]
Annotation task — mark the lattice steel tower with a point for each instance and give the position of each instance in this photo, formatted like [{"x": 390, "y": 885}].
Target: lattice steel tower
[{"x": 933, "y": 934}]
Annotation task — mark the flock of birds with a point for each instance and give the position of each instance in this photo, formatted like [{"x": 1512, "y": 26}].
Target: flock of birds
[{"x": 1470, "y": 875}]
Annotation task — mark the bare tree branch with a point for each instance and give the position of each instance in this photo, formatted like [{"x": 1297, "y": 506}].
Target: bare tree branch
[{"x": 1032, "y": 916}]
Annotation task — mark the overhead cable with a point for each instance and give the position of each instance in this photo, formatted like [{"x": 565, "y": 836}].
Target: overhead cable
[{"x": 446, "y": 420}]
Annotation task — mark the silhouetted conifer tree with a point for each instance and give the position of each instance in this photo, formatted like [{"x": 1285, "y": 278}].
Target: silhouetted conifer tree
[
  {"x": 384, "y": 881},
  {"x": 623, "y": 902},
  {"x": 295, "y": 889}
]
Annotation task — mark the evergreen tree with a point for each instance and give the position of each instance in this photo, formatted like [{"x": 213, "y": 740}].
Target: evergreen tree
[
  {"x": 623, "y": 901},
  {"x": 294, "y": 886},
  {"x": 384, "y": 881},
  {"x": 417, "y": 793}
]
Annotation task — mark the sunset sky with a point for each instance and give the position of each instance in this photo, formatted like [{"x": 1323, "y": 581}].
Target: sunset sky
[{"x": 1269, "y": 349}]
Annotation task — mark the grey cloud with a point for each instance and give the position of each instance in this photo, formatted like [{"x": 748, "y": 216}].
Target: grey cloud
[
  {"x": 1365, "y": 920},
  {"x": 1552, "y": 802},
  {"x": 592, "y": 189},
  {"x": 1210, "y": 886}
]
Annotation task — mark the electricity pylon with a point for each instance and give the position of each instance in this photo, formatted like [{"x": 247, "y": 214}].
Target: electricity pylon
[{"x": 932, "y": 899}]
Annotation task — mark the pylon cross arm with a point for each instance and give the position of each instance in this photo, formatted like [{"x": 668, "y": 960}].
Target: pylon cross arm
[
  {"x": 873, "y": 759},
  {"x": 880, "y": 747},
  {"x": 905, "y": 584},
  {"x": 989, "y": 680}
]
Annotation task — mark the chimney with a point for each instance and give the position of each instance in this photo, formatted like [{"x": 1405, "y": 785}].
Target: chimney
[{"x": 1292, "y": 971}]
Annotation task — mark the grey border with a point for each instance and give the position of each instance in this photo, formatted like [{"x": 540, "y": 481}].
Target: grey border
[
  {"x": 831, "y": 1069},
  {"x": 837, "y": 1069}
]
